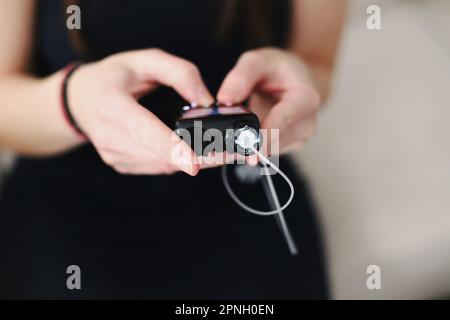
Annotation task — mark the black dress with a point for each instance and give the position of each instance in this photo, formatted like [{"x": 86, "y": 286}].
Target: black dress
[{"x": 156, "y": 237}]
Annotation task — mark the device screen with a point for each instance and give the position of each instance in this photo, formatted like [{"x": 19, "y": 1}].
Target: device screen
[{"x": 200, "y": 112}]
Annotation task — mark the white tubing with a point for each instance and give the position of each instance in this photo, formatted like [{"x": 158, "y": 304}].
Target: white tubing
[
  {"x": 243, "y": 205},
  {"x": 279, "y": 209},
  {"x": 280, "y": 217}
]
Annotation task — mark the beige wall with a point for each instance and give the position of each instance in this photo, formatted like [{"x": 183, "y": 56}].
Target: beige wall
[{"x": 380, "y": 164}]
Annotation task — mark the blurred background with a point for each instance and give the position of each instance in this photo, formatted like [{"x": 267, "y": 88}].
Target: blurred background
[
  {"x": 380, "y": 162},
  {"x": 379, "y": 165}
]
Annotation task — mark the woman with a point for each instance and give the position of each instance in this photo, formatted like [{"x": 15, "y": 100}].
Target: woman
[{"x": 112, "y": 200}]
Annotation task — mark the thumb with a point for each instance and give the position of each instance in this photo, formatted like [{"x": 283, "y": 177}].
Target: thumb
[
  {"x": 249, "y": 71},
  {"x": 149, "y": 131}
]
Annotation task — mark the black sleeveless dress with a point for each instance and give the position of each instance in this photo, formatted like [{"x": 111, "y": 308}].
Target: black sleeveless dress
[{"x": 149, "y": 237}]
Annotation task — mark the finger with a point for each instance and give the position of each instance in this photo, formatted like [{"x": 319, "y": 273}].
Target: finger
[
  {"x": 215, "y": 159},
  {"x": 292, "y": 108},
  {"x": 238, "y": 85},
  {"x": 175, "y": 72},
  {"x": 126, "y": 156},
  {"x": 261, "y": 105},
  {"x": 134, "y": 155},
  {"x": 118, "y": 148},
  {"x": 133, "y": 169},
  {"x": 150, "y": 132},
  {"x": 299, "y": 134}
]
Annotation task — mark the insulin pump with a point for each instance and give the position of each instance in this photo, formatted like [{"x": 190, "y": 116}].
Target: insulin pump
[
  {"x": 235, "y": 126},
  {"x": 234, "y": 129}
]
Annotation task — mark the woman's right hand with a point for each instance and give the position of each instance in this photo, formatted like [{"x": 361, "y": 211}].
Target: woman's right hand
[{"x": 103, "y": 96}]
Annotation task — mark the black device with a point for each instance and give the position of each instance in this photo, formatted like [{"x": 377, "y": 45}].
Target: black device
[{"x": 236, "y": 126}]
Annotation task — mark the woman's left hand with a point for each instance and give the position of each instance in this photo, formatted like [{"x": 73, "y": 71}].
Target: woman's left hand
[{"x": 281, "y": 94}]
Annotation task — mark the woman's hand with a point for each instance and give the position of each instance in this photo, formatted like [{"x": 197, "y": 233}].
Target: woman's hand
[
  {"x": 102, "y": 97},
  {"x": 281, "y": 94}
]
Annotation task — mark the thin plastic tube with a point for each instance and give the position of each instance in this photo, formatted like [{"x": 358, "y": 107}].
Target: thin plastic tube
[
  {"x": 247, "y": 208},
  {"x": 276, "y": 203},
  {"x": 280, "y": 216}
]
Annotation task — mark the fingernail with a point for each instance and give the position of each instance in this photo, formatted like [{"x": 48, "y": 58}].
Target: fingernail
[
  {"x": 187, "y": 167},
  {"x": 226, "y": 102},
  {"x": 203, "y": 97},
  {"x": 208, "y": 102}
]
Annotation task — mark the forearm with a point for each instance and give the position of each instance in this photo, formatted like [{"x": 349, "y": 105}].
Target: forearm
[
  {"x": 321, "y": 76},
  {"x": 31, "y": 120},
  {"x": 317, "y": 44}
]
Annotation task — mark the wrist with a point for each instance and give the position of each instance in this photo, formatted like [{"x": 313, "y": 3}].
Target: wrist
[{"x": 65, "y": 102}]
